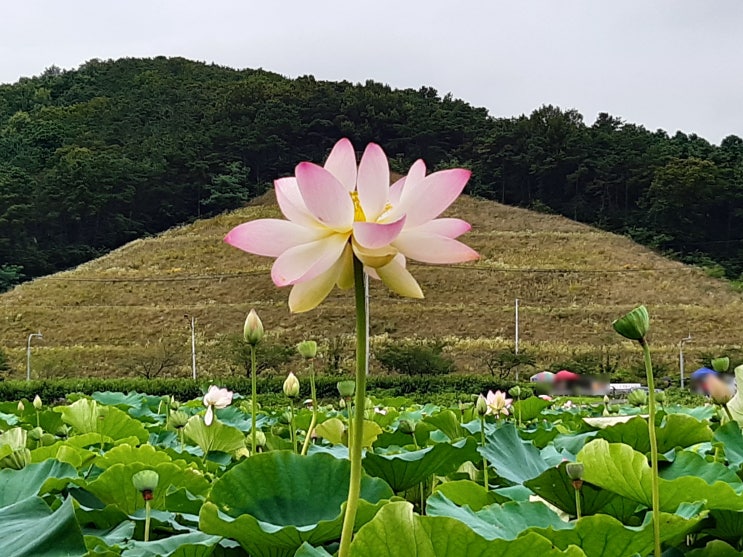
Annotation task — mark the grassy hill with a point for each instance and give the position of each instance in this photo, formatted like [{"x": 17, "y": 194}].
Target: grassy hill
[{"x": 107, "y": 317}]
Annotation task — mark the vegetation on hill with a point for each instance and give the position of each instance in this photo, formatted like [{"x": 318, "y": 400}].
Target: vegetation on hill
[
  {"x": 113, "y": 151},
  {"x": 123, "y": 314}
]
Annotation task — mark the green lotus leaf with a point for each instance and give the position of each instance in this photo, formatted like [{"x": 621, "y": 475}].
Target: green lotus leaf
[
  {"x": 334, "y": 431},
  {"x": 730, "y": 437},
  {"x": 114, "y": 485},
  {"x": 603, "y": 536},
  {"x": 110, "y": 540},
  {"x": 617, "y": 467},
  {"x": 125, "y": 453},
  {"x": 216, "y": 437},
  {"x": 529, "y": 408},
  {"x": 554, "y": 486},
  {"x": 687, "y": 463},
  {"x": 273, "y": 502},
  {"x": 513, "y": 458},
  {"x": 193, "y": 544},
  {"x": 29, "y": 528},
  {"x": 306, "y": 550},
  {"x": 34, "y": 479},
  {"x": 495, "y": 521},
  {"x": 405, "y": 469},
  {"x": 397, "y": 532},
  {"x": 63, "y": 451},
  {"x": 467, "y": 492},
  {"x": 715, "y": 548},
  {"x": 448, "y": 423},
  {"x": 677, "y": 430},
  {"x": 87, "y": 416}
]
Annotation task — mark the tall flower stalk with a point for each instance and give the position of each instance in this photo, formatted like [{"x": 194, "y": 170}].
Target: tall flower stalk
[
  {"x": 253, "y": 333},
  {"x": 356, "y": 424},
  {"x": 308, "y": 350},
  {"x": 635, "y": 326},
  {"x": 345, "y": 220}
]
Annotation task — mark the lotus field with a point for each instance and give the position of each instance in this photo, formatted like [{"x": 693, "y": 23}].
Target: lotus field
[{"x": 69, "y": 483}]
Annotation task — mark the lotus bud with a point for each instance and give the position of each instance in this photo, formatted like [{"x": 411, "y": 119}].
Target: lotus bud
[
  {"x": 341, "y": 403},
  {"x": 346, "y": 388},
  {"x": 253, "y": 329},
  {"x": 634, "y": 325},
  {"x": 291, "y": 386},
  {"x": 718, "y": 390},
  {"x": 307, "y": 349},
  {"x": 574, "y": 470},
  {"x": 515, "y": 392},
  {"x": 21, "y": 407},
  {"x": 638, "y": 397},
  {"x": 37, "y": 402},
  {"x": 481, "y": 406},
  {"x": 145, "y": 481},
  {"x": 407, "y": 426},
  {"x": 721, "y": 365},
  {"x": 174, "y": 404},
  {"x": 260, "y": 439},
  {"x": 178, "y": 419},
  {"x": 35, "y": 434},
  {"x": 606, "y": 399},
  {"x": 660, "y": 396}
]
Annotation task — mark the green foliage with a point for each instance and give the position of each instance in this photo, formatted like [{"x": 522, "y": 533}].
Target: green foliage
[
  {"x": 4, "y": 363},
  {"x": 116, "y": 150},
  {"x": 415, "y": 358}
]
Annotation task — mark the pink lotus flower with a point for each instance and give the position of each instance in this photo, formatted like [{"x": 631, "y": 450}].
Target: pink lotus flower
[
  {"x": 340, "y": 210},
  {"x": 215, "y": 398},
  {"x": 498, "y": 403}
]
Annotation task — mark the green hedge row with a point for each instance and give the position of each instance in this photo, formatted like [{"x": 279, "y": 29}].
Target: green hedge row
[{"x": 186, "y": 389}]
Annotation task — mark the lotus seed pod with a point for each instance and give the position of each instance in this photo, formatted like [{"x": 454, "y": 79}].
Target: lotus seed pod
[
  {"x": 48, "y": 439},
  {"x": 660, "y": 396},
  {"x": 35, "y": 434},
  {"x": 634, "y": 325},
  {"x": 307, "y": 349},
  {"x": 614, "y": 409},
  {"x": 37, "y": 402},
  {"x": 721, "y": 365},
  {"x": 515, "y": 392},
  {"x": 346, "y": 388},
  {"x": 145, "y": 481},
  {"x": 291, "y": 386},
  {"x": 21, "y": 406},
  {"x": 253, "y": 329},
  {"x": 574, "y": 470}
]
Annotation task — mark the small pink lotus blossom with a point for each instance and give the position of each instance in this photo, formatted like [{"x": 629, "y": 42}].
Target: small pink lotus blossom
[
  {"x": 498, "y": 403},
  {"x": 342, "y": 210},
  {"x": 568, "y": 405},
  {"x": 215, "y": 398},
  {"x": 545, "y": 397}
]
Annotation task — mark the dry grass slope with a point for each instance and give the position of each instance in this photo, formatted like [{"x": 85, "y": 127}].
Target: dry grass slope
[{"x": 572, "y": 280}]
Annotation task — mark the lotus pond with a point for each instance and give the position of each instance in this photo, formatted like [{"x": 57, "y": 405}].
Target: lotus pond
[{"x": 71, "y": 482}]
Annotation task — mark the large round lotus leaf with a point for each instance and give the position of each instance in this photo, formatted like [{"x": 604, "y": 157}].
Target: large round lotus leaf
[{"x": 273, "y": 502}]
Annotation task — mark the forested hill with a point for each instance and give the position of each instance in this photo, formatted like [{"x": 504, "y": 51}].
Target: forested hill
[{"x": 92, "y": 158}]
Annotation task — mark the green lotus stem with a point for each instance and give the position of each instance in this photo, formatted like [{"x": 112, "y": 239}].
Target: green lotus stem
[
  {"x": 655, "y": 485},
  {"x": 727, "y": 411},
  {"x": 577, "y": 504},
  {"x": 254, "y": 401},
  {"x": 37, "y": 419},
  {"x": 293, "y": 430},
  {"x": 484, "y": 460},
  {"x": 147, "y": 520},
  {"x": 356, "y": 424},
  {"x": 180, "y": 436},
  {"x": 313, "y": 422}
]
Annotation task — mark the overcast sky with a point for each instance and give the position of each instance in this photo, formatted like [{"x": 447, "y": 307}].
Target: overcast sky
[{"x": 671, "y": 64}]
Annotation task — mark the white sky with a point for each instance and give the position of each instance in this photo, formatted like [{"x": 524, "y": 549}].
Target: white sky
[{"x": 671, "y": 64}]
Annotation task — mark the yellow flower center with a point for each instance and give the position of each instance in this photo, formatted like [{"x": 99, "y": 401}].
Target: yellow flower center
[{"x": 358, "y": 212}]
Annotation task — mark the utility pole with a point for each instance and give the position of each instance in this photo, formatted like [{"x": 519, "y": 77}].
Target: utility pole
[
  {"x": 681, "y": 357},
  {"x": 28, "y": 354},
  {"x": 193, "y": 344}
]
